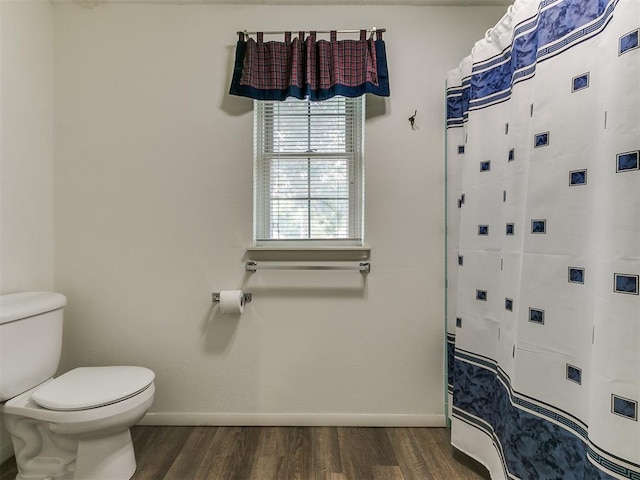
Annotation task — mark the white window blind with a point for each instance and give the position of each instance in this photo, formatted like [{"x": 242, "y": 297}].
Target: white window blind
[{"x": 308, "y": 178}]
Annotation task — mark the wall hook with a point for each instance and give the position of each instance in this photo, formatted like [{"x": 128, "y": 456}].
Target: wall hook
[{"x": 412, "y": 119}]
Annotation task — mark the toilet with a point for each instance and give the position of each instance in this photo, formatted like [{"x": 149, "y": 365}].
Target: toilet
[{"x": 75, "y": 426}]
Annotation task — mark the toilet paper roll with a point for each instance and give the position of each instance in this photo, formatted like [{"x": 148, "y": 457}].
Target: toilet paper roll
[{"x": 231, "y": 302}]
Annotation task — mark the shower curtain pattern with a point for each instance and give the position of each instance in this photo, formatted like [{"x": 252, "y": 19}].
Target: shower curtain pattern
[{"x": 543, "y": 221}]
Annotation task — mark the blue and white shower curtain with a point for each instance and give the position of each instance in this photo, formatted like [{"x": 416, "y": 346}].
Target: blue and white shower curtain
[{"x": 543, "y": 305}]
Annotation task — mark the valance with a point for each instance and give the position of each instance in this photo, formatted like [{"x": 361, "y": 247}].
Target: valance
[{"x": 309, "y": 68}]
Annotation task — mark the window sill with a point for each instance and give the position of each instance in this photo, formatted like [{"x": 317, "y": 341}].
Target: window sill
[{"x": 309, "y": 254}]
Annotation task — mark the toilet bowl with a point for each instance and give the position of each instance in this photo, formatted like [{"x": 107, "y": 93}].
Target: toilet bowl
[
  {"x": 80, "y": 435},
  {"x": 75, "y": 426}
]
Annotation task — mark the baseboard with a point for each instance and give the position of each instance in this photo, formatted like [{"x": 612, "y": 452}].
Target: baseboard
[{"x": 295, "y": 419}]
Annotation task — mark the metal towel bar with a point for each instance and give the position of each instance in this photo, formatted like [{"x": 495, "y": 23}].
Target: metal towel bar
[{"x": 363, "y": 267}]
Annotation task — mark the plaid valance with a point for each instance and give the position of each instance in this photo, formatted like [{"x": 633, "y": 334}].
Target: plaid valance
[{"x": 310, "y": 68}]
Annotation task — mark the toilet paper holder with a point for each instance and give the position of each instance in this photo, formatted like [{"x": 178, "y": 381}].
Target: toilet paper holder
[{"x": 215, "y": 297}]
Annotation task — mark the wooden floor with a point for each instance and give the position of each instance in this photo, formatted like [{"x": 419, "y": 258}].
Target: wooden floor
[{"x": 304, "y": 453}]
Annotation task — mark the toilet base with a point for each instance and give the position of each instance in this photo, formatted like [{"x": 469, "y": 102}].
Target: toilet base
[
  {"x": 105, "y": 458},
  {"x": 44, "y": 455}
]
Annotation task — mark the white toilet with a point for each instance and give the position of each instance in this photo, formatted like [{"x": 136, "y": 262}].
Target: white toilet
[{"x": 75, "y": 426}]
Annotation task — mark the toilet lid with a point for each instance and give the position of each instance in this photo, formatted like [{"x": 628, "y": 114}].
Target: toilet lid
[{"x": 90, "y": 387}]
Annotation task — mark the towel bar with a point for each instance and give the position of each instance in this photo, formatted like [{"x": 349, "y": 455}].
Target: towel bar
[{"x": 363, "y": 267}]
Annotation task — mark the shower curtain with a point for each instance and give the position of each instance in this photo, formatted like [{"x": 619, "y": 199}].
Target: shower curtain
[{"x": 543, "y": 244}]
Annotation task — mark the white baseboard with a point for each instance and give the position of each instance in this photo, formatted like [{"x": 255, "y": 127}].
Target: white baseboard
[{"x": 295, "y": 419}]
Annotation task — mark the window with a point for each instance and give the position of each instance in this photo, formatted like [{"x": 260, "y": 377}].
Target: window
[{"x": 308, "y": 177}]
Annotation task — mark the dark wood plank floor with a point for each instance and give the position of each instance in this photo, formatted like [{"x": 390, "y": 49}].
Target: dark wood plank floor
[{"x": 303, "y": 453}]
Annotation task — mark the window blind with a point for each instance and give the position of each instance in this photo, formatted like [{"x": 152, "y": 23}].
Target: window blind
[{"x": 308, "y": 178}]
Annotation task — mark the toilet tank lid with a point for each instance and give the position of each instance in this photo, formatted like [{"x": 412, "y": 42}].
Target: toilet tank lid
[
  {"x": 15, "y": 306},
  {"x": 91, "y": 387}
]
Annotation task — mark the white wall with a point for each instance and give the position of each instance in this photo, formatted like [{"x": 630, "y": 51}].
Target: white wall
[
  {"x": 153, "y": 185},
  {"x": 26, "y": 152},
  {"x": 26, "y": 160}
]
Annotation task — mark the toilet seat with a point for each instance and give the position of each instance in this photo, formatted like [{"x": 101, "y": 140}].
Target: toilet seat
[
  {"x": 23, "y": 405},
  {"x": 92, "y": 387}
]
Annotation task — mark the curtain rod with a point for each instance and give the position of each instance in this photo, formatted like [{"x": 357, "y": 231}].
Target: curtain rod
[{"x": 373, "y": 30}]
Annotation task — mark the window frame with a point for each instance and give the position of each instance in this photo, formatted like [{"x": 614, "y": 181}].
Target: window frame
[{"x": 265, "y": 153}]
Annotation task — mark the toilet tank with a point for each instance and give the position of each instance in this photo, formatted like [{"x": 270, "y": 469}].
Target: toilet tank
[{"x": 30, "y": 340}]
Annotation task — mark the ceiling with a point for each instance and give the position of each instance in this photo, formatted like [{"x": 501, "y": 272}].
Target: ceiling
[{"x": 93, "y": 3}]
